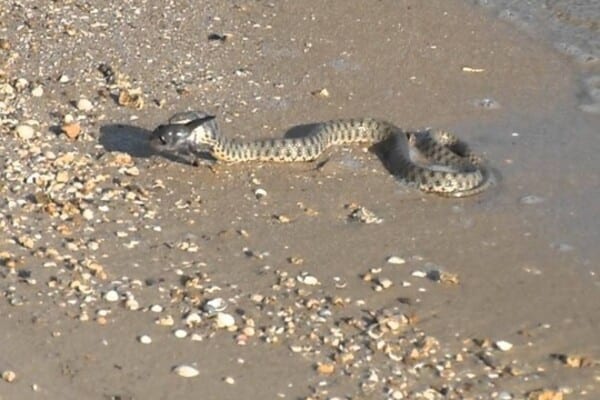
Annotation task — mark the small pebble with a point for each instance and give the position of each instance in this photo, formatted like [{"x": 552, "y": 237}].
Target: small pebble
[
  {"x": 225, "y": 320},
  {"x": 322, "y": 93},
  {"x": 308, "y": 279},
  {"x": 260, "y": 193},
  {"x": 503, "y": 345},
  {"x": 26, "y": 241},
  {"x": 419, "y": 274},
  {"x": 37, "y": 91},
  {"x": 167, "y": 320},
  {"x": 472, "y": 69},
  {"x": 9, "y": 376},
  {"x": 132, "y": 304},
  {"x": 156, "y": 308},
  {"x": 186, "y": 371},
  {"x": 62, "y": 177},
  {"x": 531, "y": 199},
  {"x": 487, "y": 103},
  {"x": 192, "y": 319},
  {"x": 4, "y": 44},
  {"x": 180, "y": 333},
  {"x": 196, "y": 337},
  {"x": 385, "y": 283},
  {"x": 71, "y": 130},
  {"x": 132, "y": 98},
  {"x": 21, "y": 83},
  {"x": 87, "y": 214},
  {"x": 111, "y": 296},
  {"x": 84, "y": 105},
  {"x": 132, "y": 171},
  {"x": 145, "y": 339},
  {"x": 25, "y": 132},
  {"x": 325, "y": 368},
  {"x": 249, "y": 331},
  {"x": 229, "y": 380}
]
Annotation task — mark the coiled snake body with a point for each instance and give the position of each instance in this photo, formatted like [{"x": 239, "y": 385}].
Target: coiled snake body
[{"x": 452, "y": 170}]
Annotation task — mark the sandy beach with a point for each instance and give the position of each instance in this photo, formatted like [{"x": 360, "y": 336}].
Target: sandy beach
[{"x": 128, "y": 274}]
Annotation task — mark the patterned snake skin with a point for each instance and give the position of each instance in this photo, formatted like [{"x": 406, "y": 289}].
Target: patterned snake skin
[{"x": 452, "y": 169}]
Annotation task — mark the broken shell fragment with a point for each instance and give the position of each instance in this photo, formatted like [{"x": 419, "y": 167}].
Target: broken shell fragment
[
  {"x": 71, "y": 130},
  {"x": 131, "y": 98},
  {"x": 215, "y": 305}
]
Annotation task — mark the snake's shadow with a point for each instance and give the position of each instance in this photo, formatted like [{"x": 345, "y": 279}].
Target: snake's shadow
[
  {"x": 300, "y": 131},
  {"x": 384, "y": 150}
]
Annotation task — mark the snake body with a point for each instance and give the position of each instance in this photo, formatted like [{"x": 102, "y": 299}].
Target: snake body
[{"x": 453, "y": 169}]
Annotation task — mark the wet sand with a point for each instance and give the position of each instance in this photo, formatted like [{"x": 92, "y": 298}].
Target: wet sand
[{"x": 160, "y": 232}]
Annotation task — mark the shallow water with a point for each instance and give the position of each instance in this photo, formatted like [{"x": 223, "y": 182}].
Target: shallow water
[
  {"x": 559, "y": 149},
  {"x": 571, "y": 27}
]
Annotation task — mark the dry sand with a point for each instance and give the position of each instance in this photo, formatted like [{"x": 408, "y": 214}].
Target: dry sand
[{"x": 102, "y": 215}]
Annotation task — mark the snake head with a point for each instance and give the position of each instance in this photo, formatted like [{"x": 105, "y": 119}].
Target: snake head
[
  {"x": 185, "y": 131},
  {"x": 170, "y": 137}
]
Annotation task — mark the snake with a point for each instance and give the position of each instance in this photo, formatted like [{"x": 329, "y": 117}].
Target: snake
[{"x": 450, "y": 169}]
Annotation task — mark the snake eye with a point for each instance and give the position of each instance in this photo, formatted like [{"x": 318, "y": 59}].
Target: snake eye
[{"x": 163, "y": 140}]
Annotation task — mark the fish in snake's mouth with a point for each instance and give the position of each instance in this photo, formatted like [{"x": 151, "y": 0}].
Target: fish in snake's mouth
[{"x": 169, "y": 137}]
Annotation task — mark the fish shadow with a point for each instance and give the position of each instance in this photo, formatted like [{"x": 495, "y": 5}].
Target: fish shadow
[{"x": 129, "y": 139}]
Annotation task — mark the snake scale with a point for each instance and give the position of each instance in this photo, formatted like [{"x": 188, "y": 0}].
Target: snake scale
[{"x": 451, "y": 168}]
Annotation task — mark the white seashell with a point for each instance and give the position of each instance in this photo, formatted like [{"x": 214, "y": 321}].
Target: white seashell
[
  {"x": 225, "y": 320},
  {"x": 186, "y": 371},
  {"x": 396, "y": 260}
]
